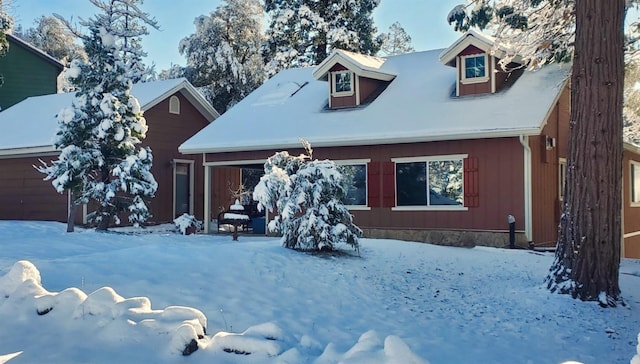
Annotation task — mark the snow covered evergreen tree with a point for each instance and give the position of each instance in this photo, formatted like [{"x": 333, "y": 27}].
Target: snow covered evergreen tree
[
  {"x": 51, "y": 36},
  {"x": 224, "y": 53},
  {"x": 303, "y": 32},
  {"x": 396, "y": 41},
  {"x": 590, "y": 33},
  {"x": 307, "y": 194},
  {"x": 6, "y": 23},
  {"x": 99, "y": 136}
]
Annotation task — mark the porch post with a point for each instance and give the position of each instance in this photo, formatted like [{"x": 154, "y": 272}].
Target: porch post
[{"x": 207, "y": 199}]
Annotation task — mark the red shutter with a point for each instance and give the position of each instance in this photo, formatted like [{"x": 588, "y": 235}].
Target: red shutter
[
  {"x": 388, "y": 184},
  {"x": 374, "y": 187},
  {"x": 471, "y": 188}
]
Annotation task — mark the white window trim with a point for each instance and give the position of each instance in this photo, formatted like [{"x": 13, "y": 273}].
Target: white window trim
[
  {"x": 636, "y": 165},
  {"x": 431, "y": 208},
  {"x": 365, "y": 162},
  {"x": 561, "y": 162},
  {"x": 333, "y": 84},
  {"x": 432, "y": 158},
  {"x": 463, "y": 74}
]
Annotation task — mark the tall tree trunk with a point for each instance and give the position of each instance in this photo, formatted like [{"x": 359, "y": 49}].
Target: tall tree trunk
[
  {"x": 588, "y": 256},
  {"x": 71, "y": 219}
]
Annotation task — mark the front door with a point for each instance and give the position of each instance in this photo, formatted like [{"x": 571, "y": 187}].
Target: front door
[{"x": 182, "y": 189}]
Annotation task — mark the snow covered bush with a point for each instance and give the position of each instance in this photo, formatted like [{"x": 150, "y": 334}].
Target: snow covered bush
[
  {"x": 307, "y": 194},
  {"x": 187, "y": 224}
]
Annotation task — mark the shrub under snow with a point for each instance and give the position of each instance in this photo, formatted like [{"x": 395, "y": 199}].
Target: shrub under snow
[{"x": 307, "y": 194}]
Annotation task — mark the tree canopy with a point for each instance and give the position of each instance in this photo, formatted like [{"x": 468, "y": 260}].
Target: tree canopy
[
  {"x": 99, "y": 136},
  {"x": 303, "y": 32}
]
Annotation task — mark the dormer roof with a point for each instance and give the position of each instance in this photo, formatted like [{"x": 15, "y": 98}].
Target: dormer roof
[
  {"x": 477, "y": 39},
  {"x": 360, "y": 64}
]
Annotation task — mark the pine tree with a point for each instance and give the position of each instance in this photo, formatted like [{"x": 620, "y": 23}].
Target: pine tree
[
  {"x": 99, "y": 136},
  {"x": 397, "y": 41},
  {"x": 590, "y": 33},
  {"x": 6, "y": 24},
  {"x": 223, "y": 55},
  {"x": 308, "y": 197},
  {"x": 51, "y": 36},
  {"x": 303, "y": 32}
]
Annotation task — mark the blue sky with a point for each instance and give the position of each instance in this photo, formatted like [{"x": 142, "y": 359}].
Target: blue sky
[{"x": 424, "y": 20}]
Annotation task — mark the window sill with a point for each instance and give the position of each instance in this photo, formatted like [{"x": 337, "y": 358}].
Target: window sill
[
  {"x": 342, "y": 94},
  {"x": 634, "y": 204},
  {"x": 358, "y": 208},
  {"x": 468, "y": 81},
  {"x": 430, "y": 208}
]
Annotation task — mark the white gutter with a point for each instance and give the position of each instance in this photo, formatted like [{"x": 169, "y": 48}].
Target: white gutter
[{"x": 524, "y": 140}]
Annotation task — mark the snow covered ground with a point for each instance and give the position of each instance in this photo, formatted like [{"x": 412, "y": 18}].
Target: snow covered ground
[{"x": 142, "y": 297}]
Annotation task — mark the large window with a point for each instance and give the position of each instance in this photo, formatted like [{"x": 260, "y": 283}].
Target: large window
[
  {"x": 356, "y": 180},
  {"x": 635, "y": 183},
  {"x": 430, "y": 182},
  {"x": 343, "y": 83}
]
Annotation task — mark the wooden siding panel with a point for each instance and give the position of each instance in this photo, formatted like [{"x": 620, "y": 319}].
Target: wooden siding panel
[
  {"x": 343, "y": 101},
  {"x": 630, "y": 213},
  {"x": 166, "y": 132},
  {"x": 632, "y": 247},
  {"x": 546, "y": 204},
  {"x": 471, "y": 50},
  {"x": 25, "y": 74},
  {"x": 500, "y": 183},
  {"x": 374, "y": 184},
  {"x": 368, "y": 87},
  {"x": 388, "y": 184},
  {"x": 223, "y": 180},
  {"x": 475, "y": 88},
  {"x": 24, "y": 195}
]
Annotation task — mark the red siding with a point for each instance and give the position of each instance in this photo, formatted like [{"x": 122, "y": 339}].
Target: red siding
[
  {"x": 631, "y": 212},
  {"x": 374, "y": 184},
  {"x": 500, "y": 185},
  {"x": 166, "y": 132},
  {"x": 24, "y": 196},
  {"x": 546, "y": 204},
  {"x": 388, "y": 184}
]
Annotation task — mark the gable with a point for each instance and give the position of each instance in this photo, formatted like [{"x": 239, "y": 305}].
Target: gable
[
  {"x": 26, "y": 71},
  {"x": 39, "y": 113}
]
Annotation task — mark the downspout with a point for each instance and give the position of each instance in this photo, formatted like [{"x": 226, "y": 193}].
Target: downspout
[{"x": 524, "y": 140}]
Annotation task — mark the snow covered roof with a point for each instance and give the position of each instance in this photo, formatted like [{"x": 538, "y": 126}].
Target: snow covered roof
[
  {"x": 36, "y": 51},
  {"x": 478, "y": 40},
  {"x": 362, "y": 64},
  {"x": 417, "y": 106},
  {"x": 29, "y": 127}
]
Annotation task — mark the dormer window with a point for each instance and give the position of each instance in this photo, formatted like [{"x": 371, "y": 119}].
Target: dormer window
[
  {"x": 343, "y": 83},
  {"x": 475, "y": 68}
]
